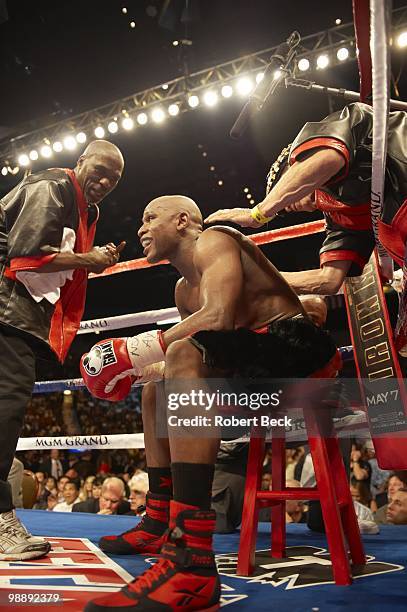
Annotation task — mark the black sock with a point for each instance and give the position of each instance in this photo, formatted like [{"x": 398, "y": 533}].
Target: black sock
[
  {"x": 160, "y": 480},
  {"x": 193, "y": 483}
]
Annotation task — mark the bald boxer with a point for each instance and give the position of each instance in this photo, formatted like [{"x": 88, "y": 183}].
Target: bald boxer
[
  {"x": 228, "y": 289},
  {"x": 47, "y": 227}
]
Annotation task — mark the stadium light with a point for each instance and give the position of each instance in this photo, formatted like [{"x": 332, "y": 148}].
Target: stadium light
[
  {"x": 113, "y": 127},
  {"x": 24, "y": 160},
  {"x": 69, "y": 143},
  {"x": 322, "y": 61},
  {"x": 99, "y": 132},
  {"x": 303, "y": 64},
  {"x": 342, "y": 54},
  {"x": 127, "y": 123},
  {"x": 211, "y": 98},
  {"x": 142, "y": 118}
]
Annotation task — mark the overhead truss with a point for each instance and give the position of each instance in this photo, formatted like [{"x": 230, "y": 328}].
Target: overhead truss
[{"x": 178, "y": 90}]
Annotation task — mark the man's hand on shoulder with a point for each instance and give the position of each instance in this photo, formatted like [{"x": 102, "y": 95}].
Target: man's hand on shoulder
[{"x": 240, "y": 216}]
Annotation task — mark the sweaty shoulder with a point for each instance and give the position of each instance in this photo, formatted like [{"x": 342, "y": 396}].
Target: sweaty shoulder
[{"x": 220, "y": 235}]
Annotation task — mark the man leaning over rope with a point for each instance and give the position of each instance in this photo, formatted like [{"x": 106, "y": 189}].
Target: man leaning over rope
[
  {"x": 47, "y": 227},
  {"x": 239, "y": 318},
  {"x": 329, "y": 167}
]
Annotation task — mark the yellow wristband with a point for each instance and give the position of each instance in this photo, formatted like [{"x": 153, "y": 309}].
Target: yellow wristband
[{"x": 258, "y": 216}]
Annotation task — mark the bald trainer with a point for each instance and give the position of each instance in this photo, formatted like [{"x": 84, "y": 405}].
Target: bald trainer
[{"x": 47, "y": 228}]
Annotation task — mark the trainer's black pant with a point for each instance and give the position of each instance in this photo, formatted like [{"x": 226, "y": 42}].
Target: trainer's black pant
[{"x": 17, "y": 377}]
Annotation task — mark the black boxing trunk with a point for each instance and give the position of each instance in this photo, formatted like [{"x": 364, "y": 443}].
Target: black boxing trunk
[{"x": 289, "y": 348}]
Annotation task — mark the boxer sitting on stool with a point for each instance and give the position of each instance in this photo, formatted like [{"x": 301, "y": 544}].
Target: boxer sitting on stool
[{"x": 228, "y": 288}]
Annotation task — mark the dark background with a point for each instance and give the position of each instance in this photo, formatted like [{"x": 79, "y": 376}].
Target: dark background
[{"x": 58, "y": 59}]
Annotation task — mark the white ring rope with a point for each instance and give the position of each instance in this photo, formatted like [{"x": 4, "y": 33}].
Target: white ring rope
[
  {"x": 380, "y": 52},
  {"x": 82, "y": 442},
  {"x": 355, "y": 422},
  {"x": 148, "y": 317}
]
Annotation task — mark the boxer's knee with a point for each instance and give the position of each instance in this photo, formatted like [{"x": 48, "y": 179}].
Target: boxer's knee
[{"x": 181, "y": 359}]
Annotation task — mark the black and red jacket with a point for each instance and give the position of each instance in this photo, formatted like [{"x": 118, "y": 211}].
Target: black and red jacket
[
  {"x": 33, "y": 217},
  {"x": 345, "y": 200}
]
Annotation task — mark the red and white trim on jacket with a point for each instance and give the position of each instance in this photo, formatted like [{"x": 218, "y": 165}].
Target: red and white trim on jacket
[
  {"x": 324, "y": 143},
  {"x": 69, "y": 308}
]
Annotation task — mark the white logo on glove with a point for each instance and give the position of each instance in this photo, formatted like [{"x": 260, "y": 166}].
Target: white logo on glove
[{"x": 98, "y": 358}]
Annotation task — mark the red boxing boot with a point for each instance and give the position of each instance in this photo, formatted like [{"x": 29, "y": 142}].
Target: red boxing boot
[
  {"x": 184, "y": 578},
  {"x": 147, "y": 536}
]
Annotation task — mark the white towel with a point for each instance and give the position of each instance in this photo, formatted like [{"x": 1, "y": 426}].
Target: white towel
[{"x": 47, "y": 285}]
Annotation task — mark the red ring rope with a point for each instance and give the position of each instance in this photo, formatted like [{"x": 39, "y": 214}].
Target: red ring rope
[{"x": 283, "y": 233}]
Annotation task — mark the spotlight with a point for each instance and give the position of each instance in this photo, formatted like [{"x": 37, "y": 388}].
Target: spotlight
[
  {"x": 193, "y": 101},
  {"x": 165, "y": 86},
  {"x": 132, "y": 24},
  {"x": 70, "y": 143},
  {"x": 14, "y": 170},
  {"x": 81, "y": 137},
  {"x": 246, "y": 190},
  {"x": 338, "y": 21},
  {"x": 227, "y": 91},
  {"x": 303, "y": 64},
  {"x": 251, "y": 201},
  {"x": 4, "y": 171},
  {"x": 46, "y": 151},
  {"x": 99, "y": 132},
  {"x": 175, "y": 43},
  {"x": 402, "y": 39},
  {"x": 142, "y": 118},
  {"x": 113, "y": 127},
  {"x": 127, "y": 123},
  {"x": 212, "y": 168},
  {"x": 33, "y": 155},
  {"x": 124, "y": 10},
  {"x": 220, "y": 183},
  {"x": 259, "y": 77},
  {"x": 173, "y": 110},
  {"x": 57, "y": 146},
  {"x": 342, "y": 54},
  {"x": 322, "y": 61},
  {"x": 211, "y": 98},
  {"x": 24, "y": 160},
  {"x": 248, "y": 195},
  {"x": 157, "y": 115},
  {"x": 244, "y": 86}
]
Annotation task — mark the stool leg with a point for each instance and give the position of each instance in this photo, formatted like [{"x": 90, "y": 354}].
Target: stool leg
[
  {"x": 330, "y": 512},
  {"x": 278, "y": 533},
  {"x": 250, "y": 515},
  {"x": 348, "y": 514}
]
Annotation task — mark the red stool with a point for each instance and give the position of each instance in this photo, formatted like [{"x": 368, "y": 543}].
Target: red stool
[{"x": 332, "y": 490}]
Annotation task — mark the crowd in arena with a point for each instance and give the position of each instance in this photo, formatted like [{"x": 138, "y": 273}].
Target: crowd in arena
[{"x": 115, "y": 481}]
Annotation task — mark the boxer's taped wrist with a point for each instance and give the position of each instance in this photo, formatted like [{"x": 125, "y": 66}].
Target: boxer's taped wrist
[
  {"x": 145, "y": 349},
  {"x": 258, "y": 216},
  {"x": 161, "y": 341}
]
